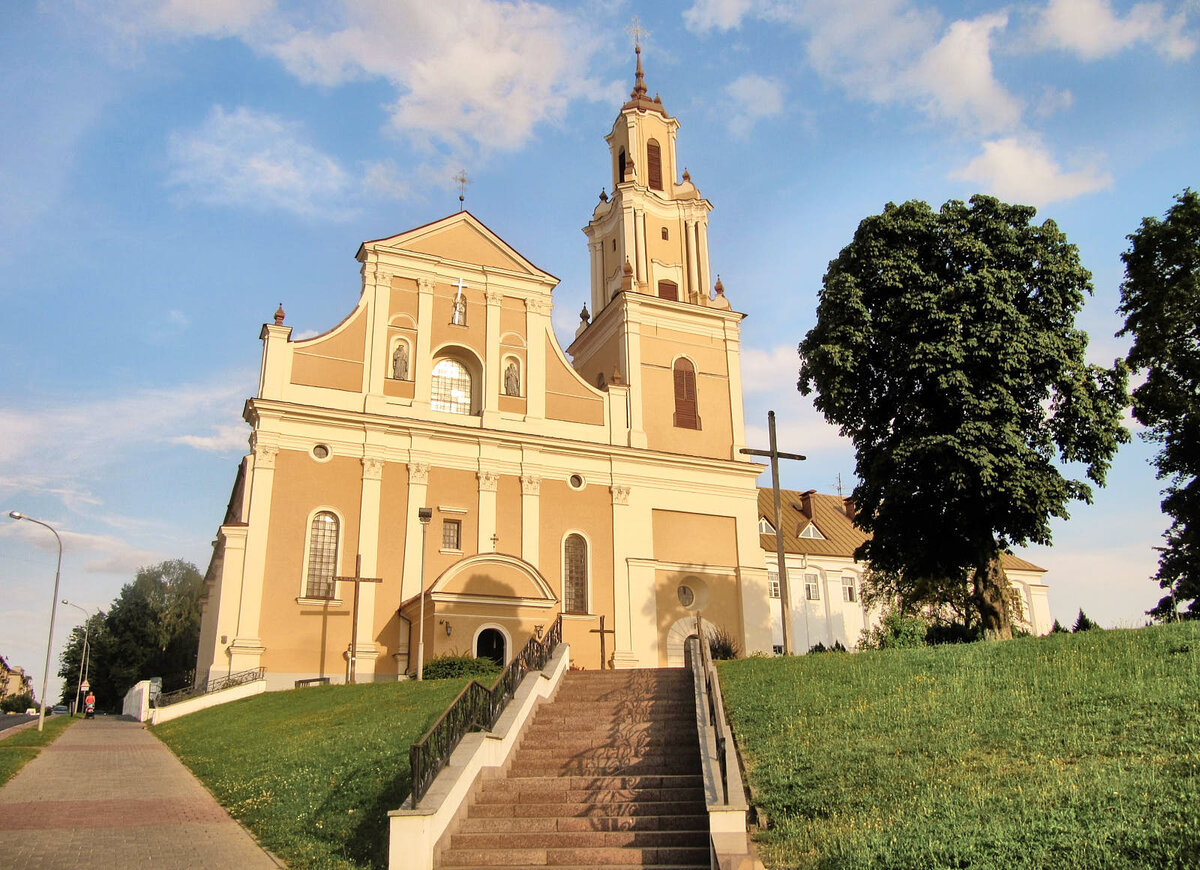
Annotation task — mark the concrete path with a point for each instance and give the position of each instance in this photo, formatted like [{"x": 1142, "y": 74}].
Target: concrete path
[{"x": 142, "y": 807}]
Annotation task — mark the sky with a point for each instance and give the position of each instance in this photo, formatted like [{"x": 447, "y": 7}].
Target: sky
[{"x": 172, "y": 170}]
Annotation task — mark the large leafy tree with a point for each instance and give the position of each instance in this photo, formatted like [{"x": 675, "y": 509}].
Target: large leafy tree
[
  {"x": 1160, "y": 299},
  {"x": 151, "y": 630},
  {"x": 945, "y": 348}
]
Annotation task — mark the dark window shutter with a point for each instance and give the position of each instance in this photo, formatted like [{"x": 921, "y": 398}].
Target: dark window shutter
[
  {"x": 654, "y": 165},
  {"x": 668, "y": 290},
  {"x": 686, "y": 416}
]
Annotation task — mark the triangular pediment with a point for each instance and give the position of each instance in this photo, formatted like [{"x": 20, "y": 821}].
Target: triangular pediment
[{"x": 462, "y": 238}]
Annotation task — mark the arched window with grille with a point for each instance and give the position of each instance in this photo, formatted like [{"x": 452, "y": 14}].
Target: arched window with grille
[
  {"x": 451, "y": 387},
  {"x": 686, "y": 414},
  {"x": 322, "y": 555},
  {"x": 575, "y": 574},
  {"x": 654, "y": 165}
]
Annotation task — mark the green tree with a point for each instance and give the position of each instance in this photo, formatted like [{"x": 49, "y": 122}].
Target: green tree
[
  {"x": 151, "y": 630},
  {"x": 1160, "y": 298},
  {"x": 1082, "y": 623},
  {"x": 945, "y": 349}
]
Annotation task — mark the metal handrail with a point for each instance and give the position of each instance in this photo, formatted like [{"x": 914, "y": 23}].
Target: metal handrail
[
  {"x": 476, "y": 707},
  {"x": 165, "y": 699},
  {"x": 716, "y": 705}
]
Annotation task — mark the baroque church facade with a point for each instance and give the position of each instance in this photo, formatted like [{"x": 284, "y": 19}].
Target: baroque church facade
[{"x": 437, "y": 475}]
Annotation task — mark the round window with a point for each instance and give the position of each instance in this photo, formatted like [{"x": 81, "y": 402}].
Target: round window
[
  {"x": 686, "y": 596},
  {"x": 575, "y": 481},
  {"x": 320, "y": 451}
]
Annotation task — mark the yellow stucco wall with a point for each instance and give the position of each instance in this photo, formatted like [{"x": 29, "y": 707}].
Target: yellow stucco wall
[
  {"x": 334, "y": 360},
  {"x": 465, "y": 244},
  {"x": 697, "y": 539},
  {"x": 566, "y": 396}
]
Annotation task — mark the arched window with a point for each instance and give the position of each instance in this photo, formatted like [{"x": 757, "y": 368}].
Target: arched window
[
  {"x": 621, "y": 166},
  {"x": 654, "y": 165},
  {"x": 668, "y": 290},
  {"x": 322, "y": 555},
  {"x": 451, "y": 387},
  {"x": 686, "y": 416},
  {"x": 575, "y": 580}
]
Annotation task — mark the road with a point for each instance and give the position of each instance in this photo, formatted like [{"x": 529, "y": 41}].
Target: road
[{"x": 7, "y": 722}]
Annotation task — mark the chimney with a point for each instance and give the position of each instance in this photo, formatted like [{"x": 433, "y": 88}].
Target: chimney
[
  {"x": 848, "y": 504},
  {"x": 806, "y": 503}
]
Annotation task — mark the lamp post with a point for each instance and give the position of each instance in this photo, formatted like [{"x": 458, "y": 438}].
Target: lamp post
[
  {"x": 82, "y": 654},
  {"x": 424, "y": 515},
  {"x": 17, "y": 515}
]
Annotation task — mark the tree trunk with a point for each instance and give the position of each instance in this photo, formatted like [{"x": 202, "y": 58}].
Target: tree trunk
[{"x": 991, "y": 599}]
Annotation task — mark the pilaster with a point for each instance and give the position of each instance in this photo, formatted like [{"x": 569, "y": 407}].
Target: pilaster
[
  {"x": 493, "y": 365},
  {"x": 489, "y": 482},
  {"x": 531, "y": 489},
  {"x": 422, "y": 362},
  {"x": 368, "y": 549},
  {"x": 418, "y": 486},
  {"x": 623, "y": 654},
  {"x": 537, "y": 327},
  {"x": 246, "y": 648}
]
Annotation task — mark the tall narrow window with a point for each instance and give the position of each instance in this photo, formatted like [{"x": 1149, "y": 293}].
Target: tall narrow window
[
  {"x": 773, "y": 584},
  {"x": 451, "y": 534},
  {"x": 812, "y": 587},
  {"x": 451, "y": 387},
  {"x": 575, "y": 575},
  {"x": 849, "y": 592},
  {"x": 621, "y": 166},
  {"x": 668, "y": 290},
  {"x": 685, "y": 395},
  {"x": 322, "y": 555},
  {"x": 654, "y": 165}
]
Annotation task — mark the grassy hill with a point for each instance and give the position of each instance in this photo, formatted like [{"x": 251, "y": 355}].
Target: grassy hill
[
  {"x": 313, "y": 772},
  {"x": 1078, "y": 751}
]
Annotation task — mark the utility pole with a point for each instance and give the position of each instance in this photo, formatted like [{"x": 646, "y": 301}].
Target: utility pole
[{"x": 785, "y": 595}]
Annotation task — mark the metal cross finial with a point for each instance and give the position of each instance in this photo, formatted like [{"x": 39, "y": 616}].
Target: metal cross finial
[
  {"x": 637, "y": 32},
  {"x": 462, "y": 180}
]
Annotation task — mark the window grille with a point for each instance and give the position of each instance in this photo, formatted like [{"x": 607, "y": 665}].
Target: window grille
[
  {"x": 451, "y": 534},
  {"x": 451, "y": 387},
  {"x": 575, "y": 575},
  {"x": 322, "y": 555}
]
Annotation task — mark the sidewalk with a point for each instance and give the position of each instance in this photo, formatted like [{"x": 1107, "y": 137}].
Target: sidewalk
[{"x": 141, "y": 807}]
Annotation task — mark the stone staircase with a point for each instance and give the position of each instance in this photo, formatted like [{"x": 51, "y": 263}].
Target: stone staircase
[{"x": 607, "y": 775}]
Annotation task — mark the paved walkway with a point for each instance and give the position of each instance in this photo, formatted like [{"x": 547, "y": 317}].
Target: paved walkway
[{"x": 143, "y": 808}]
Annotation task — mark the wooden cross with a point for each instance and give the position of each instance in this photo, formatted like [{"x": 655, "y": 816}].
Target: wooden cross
[
  {"x": 357, "y": 579},
  {"x": 602, "y": 631},
  {"x": 785, "y": 600}
]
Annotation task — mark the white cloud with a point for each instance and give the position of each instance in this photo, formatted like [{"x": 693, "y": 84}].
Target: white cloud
[
  {"x": 752, "y": 98},
  {"x": 773, "y": 371},
  {"x": 1092, "y": 30},
  {"x": 705, "y": 15},
  {"x": 135, "y": 19},
  {"x": 100, "y": 554},
  {"x": 384, "y": 179},
  {"x": 249, "y": 158},
  {"x": 769, "y": 383},
  {"x": 1024, "y": 171},
  {"x": 223, "y": 439},
  {"x": 957, "y": 76}
]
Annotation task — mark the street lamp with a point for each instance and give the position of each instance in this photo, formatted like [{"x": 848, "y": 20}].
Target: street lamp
[
  {"x": 424, "y": 515},
  {"x": 83, "y": 654},
  {"x": 17, "y": 515}
]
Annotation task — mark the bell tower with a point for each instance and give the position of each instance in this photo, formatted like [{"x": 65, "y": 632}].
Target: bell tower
[{"x": 653, "y": 325}]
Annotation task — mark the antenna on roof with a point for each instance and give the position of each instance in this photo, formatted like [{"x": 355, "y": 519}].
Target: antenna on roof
[
  {"x": 462, "y": 180},
  {"x": 838, "y": 484}
]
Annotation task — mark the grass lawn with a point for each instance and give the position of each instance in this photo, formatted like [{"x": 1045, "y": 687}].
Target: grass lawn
[
  {"x": 18, "y": 749},
  {"x": 1078, "y": 751},
  {"x": 313, "y": 772}
]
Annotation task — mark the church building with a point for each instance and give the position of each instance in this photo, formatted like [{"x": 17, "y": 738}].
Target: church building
[{"x": 436, "y": 475}]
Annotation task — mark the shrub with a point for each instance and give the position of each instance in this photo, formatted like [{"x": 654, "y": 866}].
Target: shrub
[
  {"x": 722, "y": 646},
  {"x": 17, "y": 703},
  {"x": 1058, "y": 628},
  {"x": 819, "y": 647},
  {"x": 450, "y": 666},
  {"x": 952, "y": 632},
  {"x": 895, "y": 631},
  {"x": 1082, "y": 623}
]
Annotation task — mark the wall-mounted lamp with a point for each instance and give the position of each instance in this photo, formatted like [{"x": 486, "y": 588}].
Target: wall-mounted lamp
[
  {"x": 538, "y": 629},
  {"x": 449, "y": 627}
]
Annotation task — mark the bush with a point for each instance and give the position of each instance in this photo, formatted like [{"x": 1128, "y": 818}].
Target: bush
[
  {"x": 17, "y": 703},
  {"x": 952, "y": 632},
  {"x": 450, "y": 666},
  {"x": 819, "y": 647},
  {"x": 895, "y": 631},
  {"x": 722, "y": 646},
  {"x": 1082, "y": 623},
  {"x": 1057, "y": 628}
]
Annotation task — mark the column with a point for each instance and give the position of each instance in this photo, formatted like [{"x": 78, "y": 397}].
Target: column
[
  {"x": 246, "y": 649},
  {"x": 418, "y": 486},
  {"x": 493, "y": 365},
  {"x": 706, "y": 282},
  {"x": 531, "y": 489},
  {"x": 422, "y": 361},
  {"x": 693, "y": 281},
  {"x": 733, "y": 368},
  {"x": 599, "y": 294},
  {"x": 623, "y": 654},
  {"x": 489, "y": 481},
  {"x": 643, "y": 269},
  {"x": 365, "y": 648}
]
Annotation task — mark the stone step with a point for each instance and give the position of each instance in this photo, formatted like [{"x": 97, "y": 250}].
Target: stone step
[
  {"x": 704, "y": 866},
  {"x": 600, "y": 767},
  {"x": 601, "y": 857},
  {"x": 522, "y": 784},
  {"x": 592, "y": 795},
  {"x": 508, "y": 824},
  {"x": 577, "y": 839},
  {"x": 538, "y": 731},
  {"x": 559, "y": 809}
]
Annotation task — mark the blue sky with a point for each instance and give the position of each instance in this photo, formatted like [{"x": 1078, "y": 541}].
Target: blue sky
[{"x": 174, "y": 169}]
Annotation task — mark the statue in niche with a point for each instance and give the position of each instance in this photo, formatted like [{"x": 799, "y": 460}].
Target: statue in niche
[
  {"x": 400, "y": 362},
  {"x": 512, "y": 380}
]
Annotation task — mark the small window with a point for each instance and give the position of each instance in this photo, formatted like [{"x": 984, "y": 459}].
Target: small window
[
  {"x": 322, "y": 555},
  {"x": 668, "y": 290},
  {"x": 812, "y": 587},
  {"x": 686, "y": 416},
  {"x": 811, "y": 531},
  {"x": 777, "y": 649},
  {"x": 773, "y": 584},
  {"x": 451, "y": 387},
  {"x": 320, "y": 452},
  {"x": 765, "y": 527},
  {"x": 452, "y": 535},
  {"x": 686, "y": 596},
  {"x": 849, "y": 592},
  {"x": 665, "y": 234},
  {"x": 575, "y": 481},
  {"x": 620, "y": 167},
  {"x": 575, "y": 581},
  {"x": 614, "y": 244},
  {"x": 654, "y": 165}
]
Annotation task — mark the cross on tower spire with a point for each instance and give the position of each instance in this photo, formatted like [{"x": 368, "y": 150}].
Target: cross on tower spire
[{"x": 636, "y": 31}]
